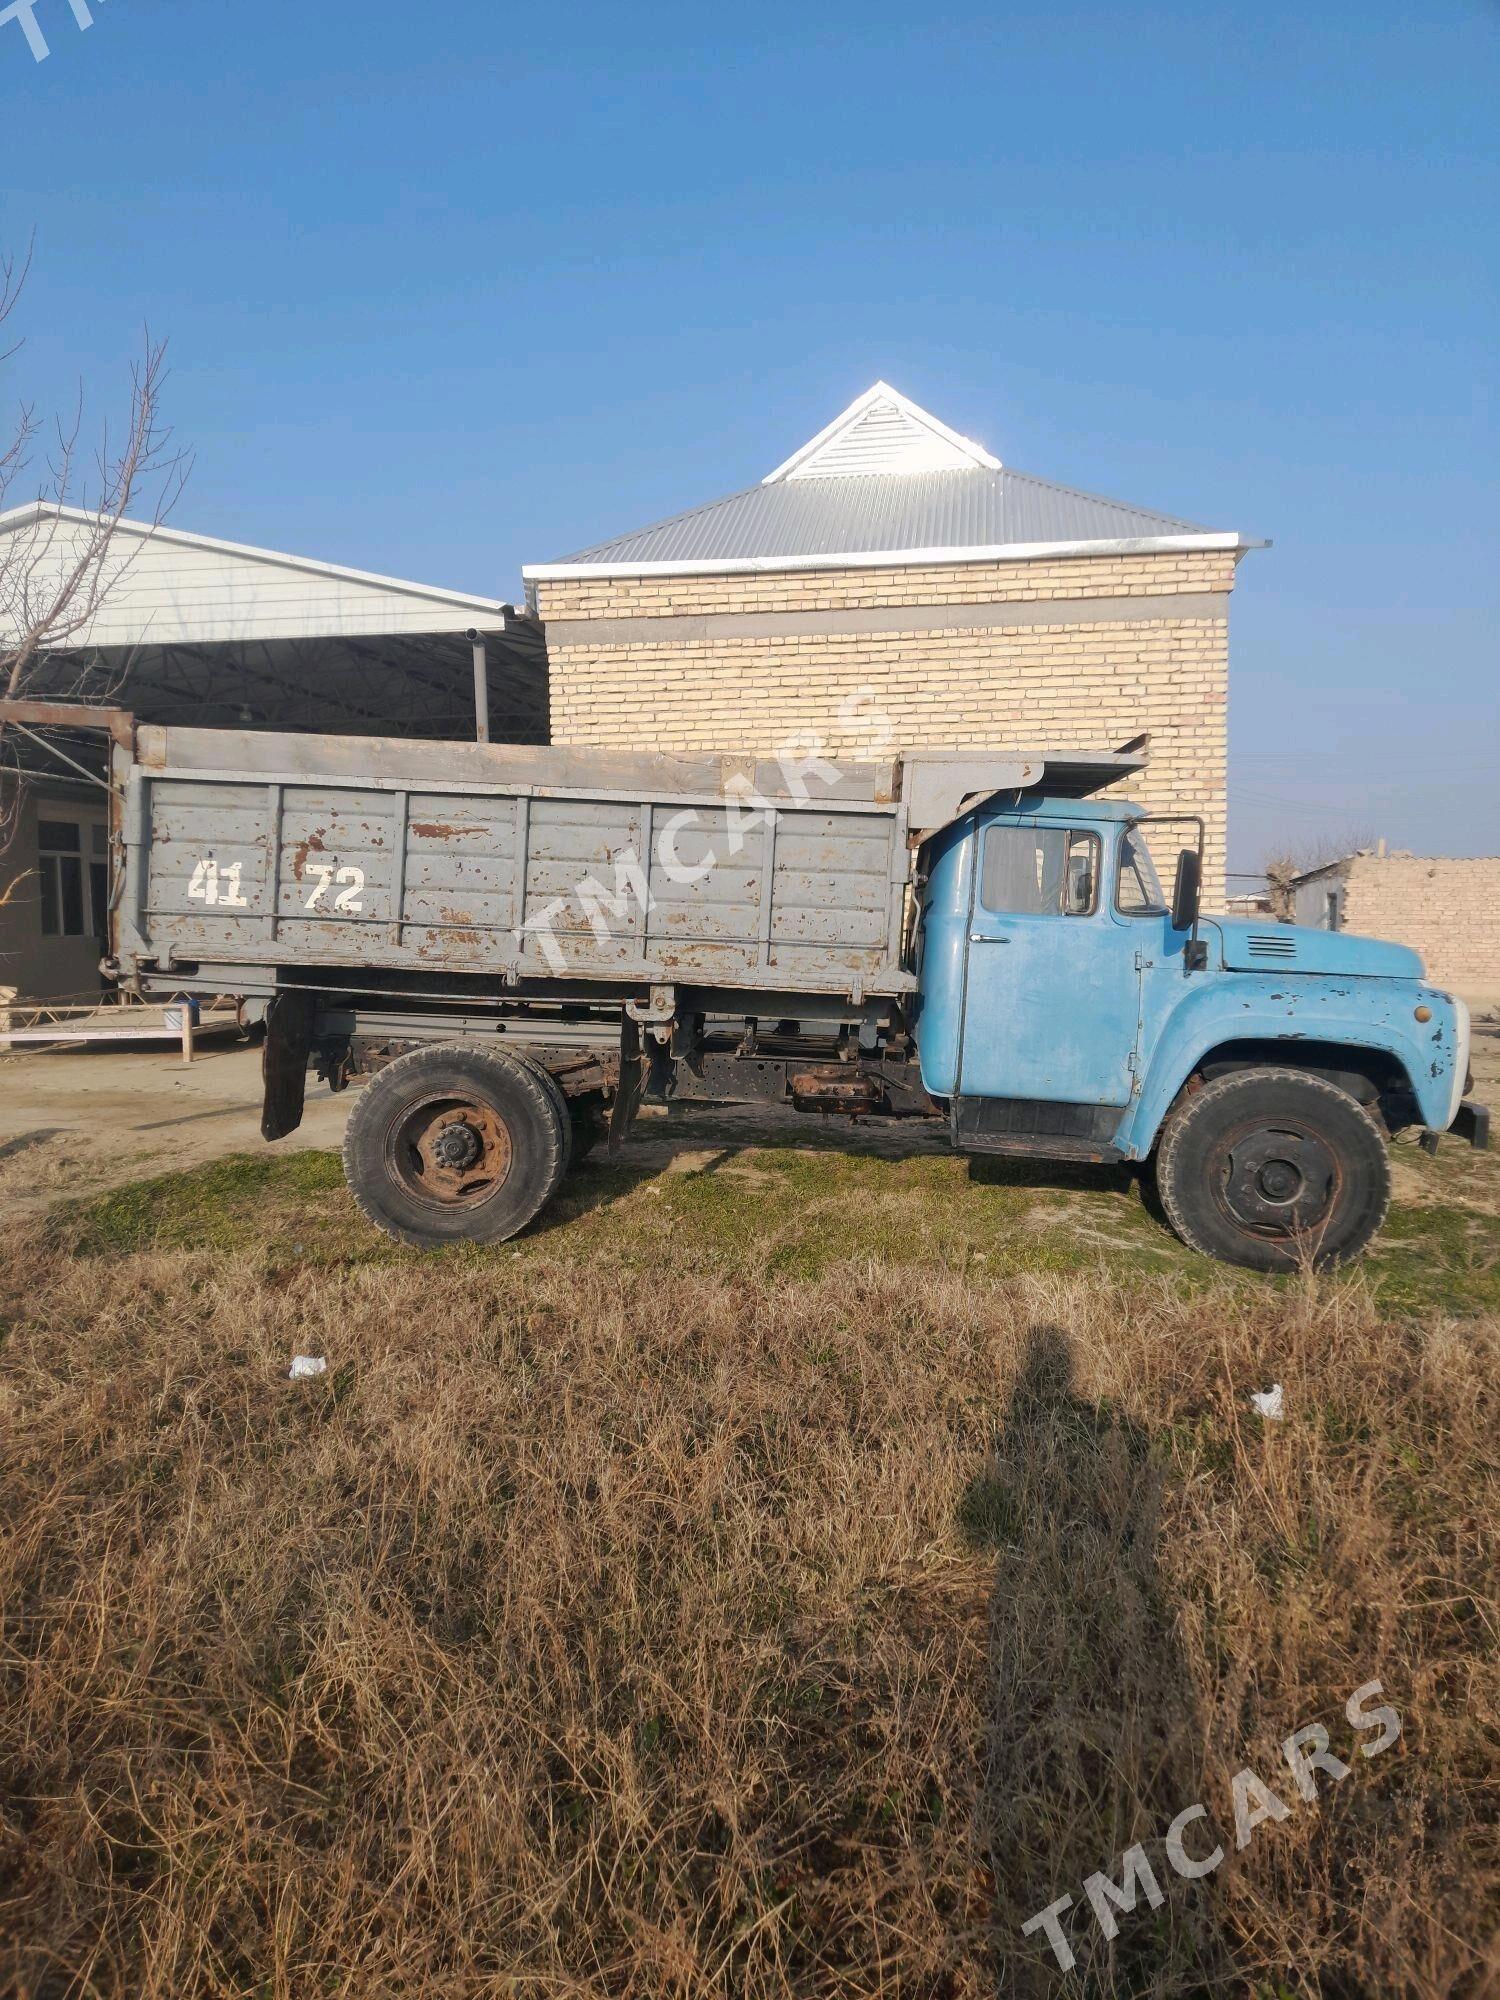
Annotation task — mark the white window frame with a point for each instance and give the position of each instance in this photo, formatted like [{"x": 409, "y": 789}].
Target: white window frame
[{"x": 92, "y": 851}]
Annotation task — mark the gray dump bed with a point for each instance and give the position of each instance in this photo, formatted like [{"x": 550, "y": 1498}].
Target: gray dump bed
[{"x": 242, "y": 849}]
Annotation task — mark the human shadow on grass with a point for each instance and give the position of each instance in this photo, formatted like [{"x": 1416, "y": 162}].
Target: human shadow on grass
[{"x": 1092, "y": 1740}]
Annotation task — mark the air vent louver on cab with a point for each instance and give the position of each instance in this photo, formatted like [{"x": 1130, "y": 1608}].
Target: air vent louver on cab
[{"x": 1269, "y": 944}]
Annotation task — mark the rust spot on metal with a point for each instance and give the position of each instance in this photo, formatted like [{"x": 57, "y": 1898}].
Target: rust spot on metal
[
  {"x": 454, "y": 944},
  {"x": 312, "y": 845},
  {"x": 436, "y": 829}
]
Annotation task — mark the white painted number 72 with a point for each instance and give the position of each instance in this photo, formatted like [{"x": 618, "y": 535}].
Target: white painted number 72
[{"x": 348, "y": 897}]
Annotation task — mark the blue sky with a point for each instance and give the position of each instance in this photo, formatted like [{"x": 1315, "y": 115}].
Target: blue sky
[{"x": 458, "y": 286}]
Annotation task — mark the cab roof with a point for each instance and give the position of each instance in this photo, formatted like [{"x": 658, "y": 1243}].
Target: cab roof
[{"x": 1074, "y": 807}]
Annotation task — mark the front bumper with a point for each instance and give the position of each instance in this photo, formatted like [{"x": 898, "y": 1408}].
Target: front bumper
[
  {"x": 1471, "y": 1121},
  {"x": 1473, "y": 1124}
]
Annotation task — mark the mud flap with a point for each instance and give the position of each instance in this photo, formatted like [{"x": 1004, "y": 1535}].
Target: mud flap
[
  {"x": 628, "y": 1089},
  {"x": 283, "y": 1063}
]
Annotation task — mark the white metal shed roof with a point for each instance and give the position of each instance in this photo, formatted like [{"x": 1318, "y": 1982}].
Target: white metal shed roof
[{"x": 173, "y": 588}]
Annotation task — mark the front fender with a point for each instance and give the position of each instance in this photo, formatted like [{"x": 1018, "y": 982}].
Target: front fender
[{"x": 1376, "y": 1014}]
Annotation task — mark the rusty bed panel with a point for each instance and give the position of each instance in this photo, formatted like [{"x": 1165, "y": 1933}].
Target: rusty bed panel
[{"x": 267, "y": 866}]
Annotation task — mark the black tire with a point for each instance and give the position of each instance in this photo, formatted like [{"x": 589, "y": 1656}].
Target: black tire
[
  {"x": 1268, "y": 1167},
  {"x": 507, "y": 1151},
  {"x": 563, "y": 1107}
]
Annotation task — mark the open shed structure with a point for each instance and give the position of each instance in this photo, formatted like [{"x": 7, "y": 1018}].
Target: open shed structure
[{"x": 193, "y": 630}]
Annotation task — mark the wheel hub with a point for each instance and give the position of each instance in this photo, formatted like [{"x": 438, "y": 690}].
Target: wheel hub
[
  {"x": 1278, "y": 1180},
  {"x": 457, "y": 1146},
  {"x": 450, "y": 1150}
]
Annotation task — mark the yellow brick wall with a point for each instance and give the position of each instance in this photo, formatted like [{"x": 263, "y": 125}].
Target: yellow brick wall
[
  {"x": 1069, "y": 686},
  {"x": 1447, "y": 909},
  {"x": 849, "y": 589}
]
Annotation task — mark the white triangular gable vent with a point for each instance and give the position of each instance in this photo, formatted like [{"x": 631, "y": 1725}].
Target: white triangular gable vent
[{"x": 882, "y": 431}]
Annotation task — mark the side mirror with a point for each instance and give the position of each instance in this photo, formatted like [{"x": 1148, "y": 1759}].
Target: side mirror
[{"x": 1185, "y": 890}]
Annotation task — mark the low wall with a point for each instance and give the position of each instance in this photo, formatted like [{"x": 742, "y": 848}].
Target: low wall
[{"x": 1449, "y": 910}]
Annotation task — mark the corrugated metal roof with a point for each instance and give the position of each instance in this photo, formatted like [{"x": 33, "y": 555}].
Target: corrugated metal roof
[{"x": 875, "y": 514}]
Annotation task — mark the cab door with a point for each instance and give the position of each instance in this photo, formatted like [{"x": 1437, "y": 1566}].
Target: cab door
[{"x": 1051, "y": 1006}]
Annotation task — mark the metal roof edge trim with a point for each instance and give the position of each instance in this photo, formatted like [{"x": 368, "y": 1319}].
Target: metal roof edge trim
[{"x": 890, "y": 558}]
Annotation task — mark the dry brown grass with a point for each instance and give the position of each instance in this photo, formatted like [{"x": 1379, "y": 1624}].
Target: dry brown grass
[
  {"x": 50, "y": 1162},
  {"x": 607, "y": 1625}
]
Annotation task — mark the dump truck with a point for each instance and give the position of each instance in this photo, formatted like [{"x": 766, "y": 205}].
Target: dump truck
[{"x": 514, "y": 948}]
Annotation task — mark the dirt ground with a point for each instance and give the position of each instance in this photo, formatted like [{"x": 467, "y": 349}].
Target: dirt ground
[{"x": 90, "y": 1121}]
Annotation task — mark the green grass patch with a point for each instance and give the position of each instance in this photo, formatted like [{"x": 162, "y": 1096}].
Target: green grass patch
[
  {"x": 1438, "y": 1257},
  {"x": 796, "y": 1212},
  {"x": 220, "y": 1206}
]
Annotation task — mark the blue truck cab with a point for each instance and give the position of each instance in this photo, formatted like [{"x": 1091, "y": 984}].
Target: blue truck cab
[{"x": 1067, "y": 1007}]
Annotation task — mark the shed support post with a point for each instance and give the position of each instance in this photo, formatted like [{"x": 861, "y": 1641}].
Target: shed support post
[{"x": 481, "y": 690}]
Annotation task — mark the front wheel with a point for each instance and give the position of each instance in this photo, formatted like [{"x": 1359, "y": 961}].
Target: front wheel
[
  {"x": 1268, "y": 1167},
  {"x": 455, "y": 1144}
]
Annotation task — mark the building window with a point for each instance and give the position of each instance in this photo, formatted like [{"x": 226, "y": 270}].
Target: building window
[
  {"x": 74, "y": 871},
  {"x": 1039, "y": 871},
  {"x": 1333, "y": 909}
]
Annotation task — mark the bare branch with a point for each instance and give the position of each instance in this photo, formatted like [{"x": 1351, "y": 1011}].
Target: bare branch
[
  {"x": 14, "y": 272},
  {"x": 57, "y": 569}
]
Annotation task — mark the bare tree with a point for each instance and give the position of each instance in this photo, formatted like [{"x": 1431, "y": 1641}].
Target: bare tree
[
  {"x": 56, "y": 572},
  {"x": 58, "y": 566}
]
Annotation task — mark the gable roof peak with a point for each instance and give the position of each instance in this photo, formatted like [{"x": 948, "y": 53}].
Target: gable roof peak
[{"x": 884, "y": 433}]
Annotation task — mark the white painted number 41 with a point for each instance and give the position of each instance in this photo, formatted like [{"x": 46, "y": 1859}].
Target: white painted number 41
[{"x": 213, "y": 884}]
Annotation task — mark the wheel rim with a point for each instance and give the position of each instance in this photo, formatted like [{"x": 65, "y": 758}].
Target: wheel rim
[
  {"x": 451, "y": 1151},
  {"x": 1279, "y": 1181}
]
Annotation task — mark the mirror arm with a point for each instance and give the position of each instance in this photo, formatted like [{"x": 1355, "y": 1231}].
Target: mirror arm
[{"x": 1195, "y": 952}]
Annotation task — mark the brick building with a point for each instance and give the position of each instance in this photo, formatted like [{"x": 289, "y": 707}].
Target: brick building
[
  {"x": 979, "y": 605},
  {"x": 1447, "y": 909}
]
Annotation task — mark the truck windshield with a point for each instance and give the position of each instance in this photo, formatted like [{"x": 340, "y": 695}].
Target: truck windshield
[{"x": 1139, "y": 893}]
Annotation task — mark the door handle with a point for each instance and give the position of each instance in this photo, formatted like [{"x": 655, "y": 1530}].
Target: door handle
[{"x": 984, "y": 937}]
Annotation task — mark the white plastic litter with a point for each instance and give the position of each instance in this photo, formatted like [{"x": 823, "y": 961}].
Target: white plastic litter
[
  {"x": 304, "y": 1365},
  {"x": 1270, "y": 1403}
]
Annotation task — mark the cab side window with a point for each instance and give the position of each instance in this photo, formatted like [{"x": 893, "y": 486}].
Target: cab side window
[{"x": 1040, "y": 871}]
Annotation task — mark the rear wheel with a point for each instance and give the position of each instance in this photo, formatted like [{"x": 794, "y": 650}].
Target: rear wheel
[
  {"x": 456, "y": 1144},
  {"x": 1266, "y": 1167}
]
